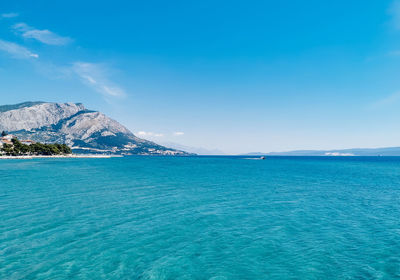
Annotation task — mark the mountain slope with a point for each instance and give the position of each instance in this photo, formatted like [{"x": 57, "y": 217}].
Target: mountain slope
[{"x": 84, "y": 130}]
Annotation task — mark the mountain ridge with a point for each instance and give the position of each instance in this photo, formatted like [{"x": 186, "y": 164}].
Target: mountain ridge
[
  {"x": 84, "y": 130},
  {"x": 4, "y": 108},
  {"x": 384, "y": 151}
]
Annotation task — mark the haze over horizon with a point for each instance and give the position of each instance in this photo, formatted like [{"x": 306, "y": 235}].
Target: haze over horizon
[{"x": 255, "y": 76}]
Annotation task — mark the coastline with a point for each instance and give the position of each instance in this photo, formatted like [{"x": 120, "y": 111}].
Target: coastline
[{"x": 60, "y": 156}]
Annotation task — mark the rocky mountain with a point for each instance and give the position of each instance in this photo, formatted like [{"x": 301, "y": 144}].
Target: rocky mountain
[{"x": 85, "y": 131}]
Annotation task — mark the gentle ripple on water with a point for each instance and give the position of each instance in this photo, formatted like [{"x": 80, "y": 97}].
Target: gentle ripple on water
[{"x": 200, "y": 218}]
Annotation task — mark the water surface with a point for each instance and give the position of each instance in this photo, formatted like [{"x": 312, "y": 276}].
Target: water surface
[{"x": 200, "y": 218}]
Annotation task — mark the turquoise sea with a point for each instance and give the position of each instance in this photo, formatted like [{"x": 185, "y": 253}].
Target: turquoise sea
[{"x": 200, "y": 218}]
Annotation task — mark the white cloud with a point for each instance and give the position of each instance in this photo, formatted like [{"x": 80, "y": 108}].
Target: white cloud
[
  {"x": 95, "y": 76},
  {"x": 16, "y": 51},
  {"x": 45, "y": 36},
  {"x": 153, "y": 134},
  {"x": 9, "y": 15},
  {"x": 149, "y": 134}
]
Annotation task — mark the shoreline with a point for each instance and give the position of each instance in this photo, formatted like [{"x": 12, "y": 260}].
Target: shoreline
[{"x": 60, "y": 156}]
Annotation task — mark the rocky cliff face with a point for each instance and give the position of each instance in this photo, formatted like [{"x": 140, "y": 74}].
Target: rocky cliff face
[
  {"x": 84, "y": 130},
  {"x": 37, "y": 115}
]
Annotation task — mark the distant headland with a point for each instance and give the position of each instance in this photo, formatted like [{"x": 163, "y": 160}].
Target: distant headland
[{"x": 71, "y": 124}]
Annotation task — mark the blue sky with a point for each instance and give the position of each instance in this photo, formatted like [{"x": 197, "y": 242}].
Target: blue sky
[{"x": 239, "y": 76}]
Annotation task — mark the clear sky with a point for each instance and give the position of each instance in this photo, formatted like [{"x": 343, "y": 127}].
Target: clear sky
[{"x": 239, "y": 76}]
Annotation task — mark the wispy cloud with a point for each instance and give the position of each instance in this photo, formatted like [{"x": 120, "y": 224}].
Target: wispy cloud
[
  {"x": 387, "y": 101},
  {"x": 9, "y": 15},
  {"x": 45, "y": 36},
  {"x": 95, "y": 76},
  {"x": 149, "y": 134},
  {"x": 394, "y": 10},
  {"x": 394, "y": 53},
  {"x": 179, "y": 133},
  {"x": 16, "y": 51}
]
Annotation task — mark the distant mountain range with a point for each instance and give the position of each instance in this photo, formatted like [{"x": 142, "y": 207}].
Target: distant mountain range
[
  {"x": 392, "y": 151},
  {"x": 194, "y": 150},
  {"x": 85, "y": 131}
]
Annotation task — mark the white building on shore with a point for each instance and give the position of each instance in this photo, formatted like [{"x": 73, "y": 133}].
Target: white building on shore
[
  {"x": 27, "y": 142},
  {"x": 8, "y": 137},
  {"x": 6, "y": 140}
]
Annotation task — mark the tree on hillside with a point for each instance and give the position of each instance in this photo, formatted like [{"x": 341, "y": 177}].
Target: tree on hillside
[
  {"x": 3, "y": 134},
  {"x": 7, "y": 149}
]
